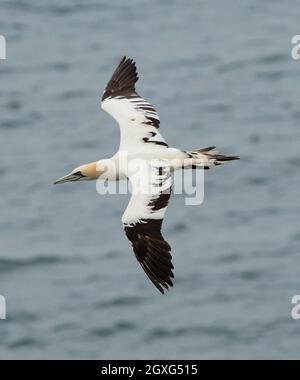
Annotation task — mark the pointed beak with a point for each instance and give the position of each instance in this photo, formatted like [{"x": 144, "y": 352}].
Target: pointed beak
[{"x": 68, "y": 178}]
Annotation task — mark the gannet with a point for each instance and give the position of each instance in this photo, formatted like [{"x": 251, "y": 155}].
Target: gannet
[{"x": 140, "y": 138}]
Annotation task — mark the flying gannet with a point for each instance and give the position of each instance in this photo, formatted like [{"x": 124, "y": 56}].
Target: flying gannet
[{"x": 140, "y": 139}]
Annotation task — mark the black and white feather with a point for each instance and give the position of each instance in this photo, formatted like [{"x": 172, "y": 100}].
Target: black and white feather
[
  {"x": 137, "y": 118},
  {"x": 142, "y": 221}
]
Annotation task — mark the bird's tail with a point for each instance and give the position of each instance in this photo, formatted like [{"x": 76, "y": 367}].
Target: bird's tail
[{"x": 207, "y": 158}]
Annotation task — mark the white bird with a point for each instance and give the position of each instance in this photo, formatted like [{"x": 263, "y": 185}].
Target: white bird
[{"x": 140, "y": 139}]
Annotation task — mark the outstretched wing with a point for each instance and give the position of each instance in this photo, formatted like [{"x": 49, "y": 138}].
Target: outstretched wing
[
  {"x": 142, "y": 221},
  {"x": 138, "y": 120}
]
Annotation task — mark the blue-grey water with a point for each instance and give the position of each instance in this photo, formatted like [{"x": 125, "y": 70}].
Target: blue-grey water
[{"x": 219, "y": 73}]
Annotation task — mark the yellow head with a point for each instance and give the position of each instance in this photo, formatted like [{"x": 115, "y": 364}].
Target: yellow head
[{"x": 86, "y": 172}]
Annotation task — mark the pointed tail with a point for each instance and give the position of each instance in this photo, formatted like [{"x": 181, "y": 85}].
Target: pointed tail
[{"x": 207, "y": 158}]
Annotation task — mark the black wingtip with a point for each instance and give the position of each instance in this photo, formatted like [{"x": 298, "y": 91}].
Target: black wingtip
[
  {"x": 162, "y": 287},
  {"x": 152, "y": 252},
  {"x": 123, "y": 79}
]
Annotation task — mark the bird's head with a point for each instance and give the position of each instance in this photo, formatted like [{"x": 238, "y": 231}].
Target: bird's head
[{"x": 86, "y": 172}]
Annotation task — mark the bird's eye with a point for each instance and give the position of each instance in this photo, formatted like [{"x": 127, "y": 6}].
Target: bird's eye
[{"x": 79, "y": 174}]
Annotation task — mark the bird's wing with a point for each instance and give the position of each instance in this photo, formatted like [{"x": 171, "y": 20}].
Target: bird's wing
[
  {"x": 142, "y": 222},
  {"x": 138, "y": 120}
]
